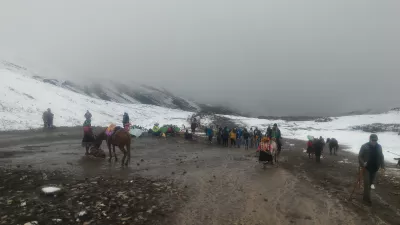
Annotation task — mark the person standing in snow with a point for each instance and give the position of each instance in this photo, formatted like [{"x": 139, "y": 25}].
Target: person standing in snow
[
  {"x": 246, "y": 136},
  {"x": 370, "y": 159},
  {"x": 88, "y": 115},
  {"x": 48, "y": 118}
]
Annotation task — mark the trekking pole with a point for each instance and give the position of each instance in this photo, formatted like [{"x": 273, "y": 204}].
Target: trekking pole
[{"x": 357, "y": 183}]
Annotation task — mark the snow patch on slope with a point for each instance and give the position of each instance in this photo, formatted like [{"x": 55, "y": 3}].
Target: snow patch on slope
[{"x": 23, "y": 100}]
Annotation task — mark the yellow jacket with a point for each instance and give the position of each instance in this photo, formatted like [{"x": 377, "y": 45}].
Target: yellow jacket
[
  {"x": 156, "y": 128},
  {"x": 232, "y": 135}
]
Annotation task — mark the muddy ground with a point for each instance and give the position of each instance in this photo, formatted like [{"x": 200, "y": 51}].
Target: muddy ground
[{"x": 173, "y": 181}]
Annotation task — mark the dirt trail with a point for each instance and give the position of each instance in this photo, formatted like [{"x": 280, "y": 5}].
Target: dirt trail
[{"x": 218, "y": 185}]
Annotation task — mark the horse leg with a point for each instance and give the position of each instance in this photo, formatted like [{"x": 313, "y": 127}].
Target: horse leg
[
  {"x": 123, "y": 158},
  {"x": 109, "y": 151},
  {"x": 128, "y": 150},
  {"x": 115, "y": 155}
]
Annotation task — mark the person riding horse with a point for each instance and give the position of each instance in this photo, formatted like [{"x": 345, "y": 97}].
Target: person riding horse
[{"x": 88, "y": 136}]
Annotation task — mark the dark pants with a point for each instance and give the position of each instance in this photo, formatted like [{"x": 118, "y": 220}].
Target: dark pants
[
  {"x": 279, "y": 145},
  {"x": 233, "y": 142},
  {"x": 225, "y": 142},
  {"x": 210, "y": 137},
  {"x": 318, "y": 155},
  {"x": 246, "y": 143},
  {"x": 369, "y": 178},
  {"x": 238, "y": 142}
]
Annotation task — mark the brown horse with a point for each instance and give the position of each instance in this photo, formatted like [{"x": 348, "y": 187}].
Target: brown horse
[{"x": 120, "y": 138}]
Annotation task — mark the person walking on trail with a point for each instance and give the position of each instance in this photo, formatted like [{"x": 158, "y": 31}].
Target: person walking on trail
[
  {"x": 232, "y": 136},
  {"x": 88, "y": 115},
  {"x": 256, "y": 137},
  {"x": 210, "y": 134},
  {"x": 225, "y": 137},
  {"x": 246, "y": 137},
  {"x": 276, "y": 133},
  {"x": 238, "y": 137},
  {"x": 251, "y": 136},
  {"x": 219, "y": 136},
  {"x": 371, "y": 159},
  {"x": 318, "y": 146}
]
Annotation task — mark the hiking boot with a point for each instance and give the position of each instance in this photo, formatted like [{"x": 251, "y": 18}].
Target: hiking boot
[
  {"x": 367, "y": 202},
  {"x": 372, "y": 186}
]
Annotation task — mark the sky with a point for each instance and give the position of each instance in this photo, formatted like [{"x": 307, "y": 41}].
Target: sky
[{"x": 265, "y": 57}]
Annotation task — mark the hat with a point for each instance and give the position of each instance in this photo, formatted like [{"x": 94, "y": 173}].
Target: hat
[
  {"x": 275, "y": 125},
  {"x": 373, "y": 137}
]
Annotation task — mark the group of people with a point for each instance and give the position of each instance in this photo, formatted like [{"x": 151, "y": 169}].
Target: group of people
[
  {"x": 48, "y": 117},
  {"x": 315, "y": 146},
  {"x": 237, "y": 137},
  {"x": 370, "y": 159}
]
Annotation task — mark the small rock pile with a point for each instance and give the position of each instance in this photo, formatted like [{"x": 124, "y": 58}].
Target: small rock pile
[{"x": 96, "y": 200}]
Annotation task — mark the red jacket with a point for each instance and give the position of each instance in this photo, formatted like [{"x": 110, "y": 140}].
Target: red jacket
[{"x": 309, "y": 144}]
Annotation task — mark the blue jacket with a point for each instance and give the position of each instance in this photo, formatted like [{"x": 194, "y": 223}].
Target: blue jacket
[
  {"x": 239, "y": 133},
  {"x": 210, "y": 132}
]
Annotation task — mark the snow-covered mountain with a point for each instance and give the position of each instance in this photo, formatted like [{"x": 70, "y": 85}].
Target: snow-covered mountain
[
  {"x": 114, "y": 92},
  {"x": 23, "y": 99}
]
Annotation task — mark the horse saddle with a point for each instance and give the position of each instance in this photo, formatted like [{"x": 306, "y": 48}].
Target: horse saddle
[{"x": 115, "y": 131}]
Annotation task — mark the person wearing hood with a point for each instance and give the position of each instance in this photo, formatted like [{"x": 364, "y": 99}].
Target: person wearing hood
[
  {"x": 370, "y": 159},
  {"x": 125, "y": 119},
  {"x": 88, "y": 115}
]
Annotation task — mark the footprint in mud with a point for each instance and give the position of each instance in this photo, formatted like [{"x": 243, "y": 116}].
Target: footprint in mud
[
  {"x": 34, "y": 147},
  {"x": 69, "y": 153}
]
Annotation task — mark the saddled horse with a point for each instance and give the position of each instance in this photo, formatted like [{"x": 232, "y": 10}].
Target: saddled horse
[{"x": 119, "y": 137}]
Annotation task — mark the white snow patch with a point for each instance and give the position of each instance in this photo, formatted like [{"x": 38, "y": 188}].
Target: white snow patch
[{"x": 49, "y": 190}]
